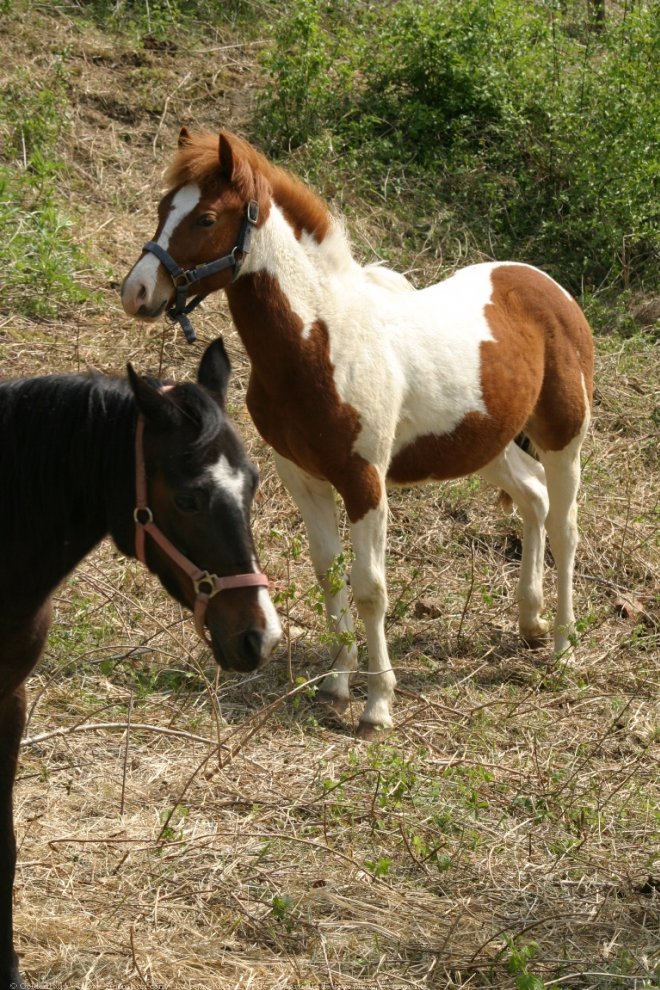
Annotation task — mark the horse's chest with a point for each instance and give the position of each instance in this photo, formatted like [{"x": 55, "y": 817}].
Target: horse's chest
[
  {"x": 318, "y": 434},
  {"x": 309, "y": 425}
]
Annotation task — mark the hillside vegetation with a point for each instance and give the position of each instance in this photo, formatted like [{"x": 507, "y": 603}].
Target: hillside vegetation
[{"x": 505, "y": 835}]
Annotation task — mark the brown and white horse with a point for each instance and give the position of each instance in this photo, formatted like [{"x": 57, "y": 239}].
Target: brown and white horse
[{"x": 359, "y": 381}]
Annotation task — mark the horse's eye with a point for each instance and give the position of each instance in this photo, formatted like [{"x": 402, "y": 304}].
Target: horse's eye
[
  {"x": 187, "y": 501},
  {"x": 206, "y": 220}
]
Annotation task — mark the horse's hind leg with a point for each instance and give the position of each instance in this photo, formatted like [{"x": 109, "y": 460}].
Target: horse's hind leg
[
  {"x": 523, "y": 478},
  {"x": 368, "y": 582},
  {"x": 316, "y": 500},
  {"x": 19, "y": 651},
  {"x": 562, "y": 472}
]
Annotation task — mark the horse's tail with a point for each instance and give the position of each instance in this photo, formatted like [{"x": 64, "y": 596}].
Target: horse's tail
[{"x": 524, "y": 442}]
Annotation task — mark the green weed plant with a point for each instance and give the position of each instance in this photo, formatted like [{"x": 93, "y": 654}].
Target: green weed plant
[{"x": 528, "y": 129}]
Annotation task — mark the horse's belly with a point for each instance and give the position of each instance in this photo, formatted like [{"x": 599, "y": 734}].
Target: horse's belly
[{"x": 472, "y": 444}]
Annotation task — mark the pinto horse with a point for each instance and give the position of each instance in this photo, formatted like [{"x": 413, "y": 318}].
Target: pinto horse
[
  {"x": 162, "y": 471},
  {"x": 358, "y": 381}
]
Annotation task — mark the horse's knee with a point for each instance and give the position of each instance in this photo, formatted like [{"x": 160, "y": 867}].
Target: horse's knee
[{"x": 369, "y": 589}]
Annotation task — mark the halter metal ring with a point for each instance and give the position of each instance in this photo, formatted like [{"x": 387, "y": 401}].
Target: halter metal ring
[
  {"x": 143, "y": 511},
  {"x": 208, "y": 580}
]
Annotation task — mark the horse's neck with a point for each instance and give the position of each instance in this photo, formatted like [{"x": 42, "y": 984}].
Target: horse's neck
[
  {"x": 291, "y": 282},
  {"x": 68, "y": 482}
]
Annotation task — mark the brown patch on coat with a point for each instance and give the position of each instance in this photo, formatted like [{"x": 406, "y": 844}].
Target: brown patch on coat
[
  {"x": 531, "y": 378},
  {"x": 292, "y": 395},
  {"x": 204, "y": 158},
  {"x": 524, "y": 295}
]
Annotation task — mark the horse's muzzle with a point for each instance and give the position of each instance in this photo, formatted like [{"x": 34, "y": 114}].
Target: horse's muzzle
[
  {"x": 248, "y": 650},
  {"x": 147, "y": 313}
]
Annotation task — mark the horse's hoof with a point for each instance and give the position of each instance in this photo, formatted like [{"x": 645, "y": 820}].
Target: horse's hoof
[
  {"x": 535, "y": 642},
  {"x": 537, "y": 636},
  {"x": 338, "y": 705},
  {"x": 369, "y": 732}
]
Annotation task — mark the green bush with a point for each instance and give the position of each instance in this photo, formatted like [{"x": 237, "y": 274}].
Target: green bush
[{"x": 530, "y": 129}]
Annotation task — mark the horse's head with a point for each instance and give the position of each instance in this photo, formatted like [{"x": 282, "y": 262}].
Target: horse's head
[
  {"x": 195, "y": 516},
  {"x": 219, "y": 192}
]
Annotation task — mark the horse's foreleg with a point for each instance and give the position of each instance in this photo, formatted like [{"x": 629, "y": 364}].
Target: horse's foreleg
[
  {"x": 316, "y": 501},
  {"x": 562, "y": 471},
  {"x": 368, "y": 582},
  {"x": 523, "y": 479},
  {"x": 12, "y": 720},
  {"x": 19, "y": 652}
]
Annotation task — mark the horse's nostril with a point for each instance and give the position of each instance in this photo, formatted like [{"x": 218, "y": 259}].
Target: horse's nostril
[
  {"x": 141, "y": 293},
  {"x": 252, "y": 643}
]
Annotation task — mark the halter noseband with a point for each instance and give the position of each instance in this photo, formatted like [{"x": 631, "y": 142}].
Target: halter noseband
[
  {"x": 183, "y": 279},
  {"x": 206, "y": 585}
]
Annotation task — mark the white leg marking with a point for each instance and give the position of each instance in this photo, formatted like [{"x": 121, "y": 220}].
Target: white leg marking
[
  {"x": 368, "y": 581},
  {"x": 316, "y": 501},
  {"x": 523, "y": 478},
  {"x": 562, "y": 470}
]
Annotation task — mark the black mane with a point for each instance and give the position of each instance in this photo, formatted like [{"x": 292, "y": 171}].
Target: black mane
[
  {"x": 67, "y": 464},
  {"x": 66, "y": 454},
  {"x": 203, "y": 413}
]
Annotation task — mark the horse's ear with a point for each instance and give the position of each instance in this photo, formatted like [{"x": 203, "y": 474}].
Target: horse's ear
[
  {"x": 184, "y": 137},
  {"x": 152, "y": 402},
  {"x": 214, "y": 370},
  {"x": 226, "y": 155}
]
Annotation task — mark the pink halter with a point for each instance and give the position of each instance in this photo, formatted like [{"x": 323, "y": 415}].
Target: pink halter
[{"x": 206, "y": 585}]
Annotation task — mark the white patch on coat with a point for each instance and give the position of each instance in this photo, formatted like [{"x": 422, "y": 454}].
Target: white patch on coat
[
  {"x": 409, "y": 361},
  {"x": 387, "y": 278}
]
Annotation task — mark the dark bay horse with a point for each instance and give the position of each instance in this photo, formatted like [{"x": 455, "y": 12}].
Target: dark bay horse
[
  {"x": 165, "y": 474},
  {"x": 358, "y": 381}
]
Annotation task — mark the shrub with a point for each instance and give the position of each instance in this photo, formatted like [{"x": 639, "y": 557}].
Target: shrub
[{"x": 533, "y": 131}]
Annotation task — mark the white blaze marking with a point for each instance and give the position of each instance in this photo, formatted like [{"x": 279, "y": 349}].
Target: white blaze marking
[
  {"x": 232, "y": 483},
  {"x": 273, "y": 627},
  {"x": 230, "y": 480},
  {"x": 184, "y": 202}
]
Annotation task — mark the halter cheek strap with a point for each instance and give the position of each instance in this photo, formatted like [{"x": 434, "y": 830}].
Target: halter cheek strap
[
  {"x": 184, "y": 278},
  {"x": 205, "y": 585}
]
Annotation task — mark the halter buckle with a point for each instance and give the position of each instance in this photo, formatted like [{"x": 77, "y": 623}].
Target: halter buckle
[
  {"x": 252, "y": 211},
  {"x": 184, "y": 278}
]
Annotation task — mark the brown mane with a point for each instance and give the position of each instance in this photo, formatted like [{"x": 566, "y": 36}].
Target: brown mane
[{"x": 197, "y": 160}]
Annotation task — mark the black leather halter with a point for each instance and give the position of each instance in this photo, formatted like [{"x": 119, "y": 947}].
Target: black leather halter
[{"x": 184, "y": 279}]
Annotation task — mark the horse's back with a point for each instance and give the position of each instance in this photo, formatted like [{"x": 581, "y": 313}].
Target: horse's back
[
  {"x": 388, "y": 279},
  {"x": 535, "y": 326}
]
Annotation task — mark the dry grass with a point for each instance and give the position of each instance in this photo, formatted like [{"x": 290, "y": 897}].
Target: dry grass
[{"x": 516, "y": 802}]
